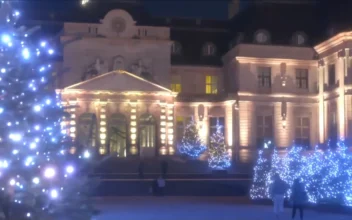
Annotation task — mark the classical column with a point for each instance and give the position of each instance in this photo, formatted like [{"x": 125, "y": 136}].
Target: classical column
[
  {"x": 133, "y": 127},
  {"x": 321, "y": 102},
  {"x": 163, "y": 126},
  {"x": 229, "y": 123},
  {"x": 72, "y": 111},
  {"x": 341, "y": 100},
  {"x": 101, "y": 110},
  {"x": 170, "y": 129}
]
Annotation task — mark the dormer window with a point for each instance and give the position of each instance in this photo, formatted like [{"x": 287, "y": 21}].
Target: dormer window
[
  {"x": 299, "y": 39},
  {"x": 262, "y": 37},
  {"x": 176, "y": 48},
  {"x": 209, "y": 49}
]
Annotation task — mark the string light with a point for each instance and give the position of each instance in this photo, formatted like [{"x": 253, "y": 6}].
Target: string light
[
  {"x": 34, "y": 167},
  {"x": 191, "y": 144},
  {"x": 326, "y": 175},
  {"x": 218, "y": 158}
]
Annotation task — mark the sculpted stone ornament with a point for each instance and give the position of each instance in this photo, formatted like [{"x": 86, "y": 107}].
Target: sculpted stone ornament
[
  {"x": 98, "y": 67},
  {"x": 137, "y": 68},
  {"x": 140, "y": 69}
]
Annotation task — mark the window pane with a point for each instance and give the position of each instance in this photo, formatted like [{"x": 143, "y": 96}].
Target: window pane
[
  {"x": 213, "y": 121},
  {"x": 208, "y": 79},
  {"x": 260, "y": 132},
  {"x": 298, "y": 132},
  {"x": 298, "y": 122},
  {"x": 208, "y": 89},
  {"x": 268, "y": 120},
  {"x": 305, "y": 122},
  {"x": 305, "y": 132},
  {"x": 260, "y": 120}
]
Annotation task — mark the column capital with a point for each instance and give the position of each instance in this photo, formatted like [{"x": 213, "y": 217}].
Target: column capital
[{"x": 321, "y": 63}]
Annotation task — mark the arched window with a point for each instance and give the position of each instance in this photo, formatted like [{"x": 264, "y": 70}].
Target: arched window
[
  {"x": 118, "y": 135},
  {"x": 176, "y": 48},
  {"x": 262, "y": 37},
  {"x": 87, "y": 130},
  {"x": 209, "y": 49},
  {"x": 299, "y": 39},
  {"x": 147, "y": 135}
]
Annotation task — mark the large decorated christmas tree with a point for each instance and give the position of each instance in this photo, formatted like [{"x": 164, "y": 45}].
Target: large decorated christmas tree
[
  {"x": 39, "y": 177},
  {"x": 219, "y": 157},
  {"x": 191, "y": 144}
]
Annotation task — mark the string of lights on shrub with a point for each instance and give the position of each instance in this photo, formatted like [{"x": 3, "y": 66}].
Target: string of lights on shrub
[{"x": 326, "y": 175}]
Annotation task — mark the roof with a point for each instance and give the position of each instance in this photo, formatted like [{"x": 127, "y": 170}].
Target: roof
[{"x": 280, "y": 20}]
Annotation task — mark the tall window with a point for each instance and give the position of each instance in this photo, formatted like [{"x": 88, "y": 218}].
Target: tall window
[
  {"x": 302, "y": 131},
  {"x": 264, "y": 77},
  {"x": 332, "y": 75},
  {"x": 176, "y": 83},
  {"x": 211, "y": 84},
  {"x": 302, "y": 78},
  {"x": 333, "y": 134},
  {"x": 147, "y": 131},
  {"x": 181, "y": 123},
  {"x": 213, "y": 125},
  {"x": 264, "y": 130},
  {"x": 209, "y": 49}
]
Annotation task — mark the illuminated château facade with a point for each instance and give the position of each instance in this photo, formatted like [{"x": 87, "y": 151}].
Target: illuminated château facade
[{"x": 134, "y": 81}]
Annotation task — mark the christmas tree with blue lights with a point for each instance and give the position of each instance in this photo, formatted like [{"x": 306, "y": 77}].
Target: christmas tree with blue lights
[
  {"x": 39, "y": 177},
  {"x": 191, "y": 144},
  {"x": 219, "y": 158}
]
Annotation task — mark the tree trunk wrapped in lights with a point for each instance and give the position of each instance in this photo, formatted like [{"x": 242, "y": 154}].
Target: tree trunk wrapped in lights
[
  {"x": 39, "y": 177},
  {"x": 191, "y": 144},
  {"x": 219, "y": 158}
]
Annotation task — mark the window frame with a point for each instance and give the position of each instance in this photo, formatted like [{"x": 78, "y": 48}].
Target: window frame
[
  {"x": 263, "y": 77},
  {"x": 263, "y": 125},
  {"x": 213, "y": 127},
  {"x": 176, "y": 85},
  {"x": 180, "y": 126},
  {"x": 211, "y": 87},
  {"x": 300, "y": 78},
  {"x": 176, "y": 48},
  {"x": 302, "y": 139},
  {"x": 331, "y": 74},
  {"x": 209, "y": 49}
]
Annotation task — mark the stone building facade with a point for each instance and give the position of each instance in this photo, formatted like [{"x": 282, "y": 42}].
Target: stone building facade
[{"x": 133, "y": 85}]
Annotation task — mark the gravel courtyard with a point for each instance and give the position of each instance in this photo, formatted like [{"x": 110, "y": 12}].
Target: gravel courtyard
[{"x": 194, "y": 208}]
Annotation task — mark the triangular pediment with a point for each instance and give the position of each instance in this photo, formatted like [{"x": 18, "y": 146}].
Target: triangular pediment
[{"x": 118, "y": 81}]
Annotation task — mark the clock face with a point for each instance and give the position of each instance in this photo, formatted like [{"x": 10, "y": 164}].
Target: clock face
[{"x": 118, "y": 25}]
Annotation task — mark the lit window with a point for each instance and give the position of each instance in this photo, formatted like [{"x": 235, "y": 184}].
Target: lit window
[
  {"x": 176, "y": 48},
  {"x": 209, "y": 49},
  {"x": 211, "y": 84},
  {"x": 176, "y": 83},
  {"x": 264, "y": 77},
  {"x": 302, "y": 78},
  {"x": 302, "y": 131}
]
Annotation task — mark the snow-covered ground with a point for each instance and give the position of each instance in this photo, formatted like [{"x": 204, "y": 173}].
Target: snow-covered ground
[{"x": 194, "y": 208}]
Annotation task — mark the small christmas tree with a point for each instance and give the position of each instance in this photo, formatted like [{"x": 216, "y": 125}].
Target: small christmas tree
[
  {"x": 191, "y": 144},
  {"x": 261, "y": 174},
  {"x": 218, "y": 155}
]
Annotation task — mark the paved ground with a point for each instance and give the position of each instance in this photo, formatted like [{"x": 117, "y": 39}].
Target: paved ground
[{"x": 194, "y": 208}]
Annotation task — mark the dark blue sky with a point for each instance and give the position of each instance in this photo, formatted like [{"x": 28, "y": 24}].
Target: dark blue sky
[{"x": 212, "y": 9}]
